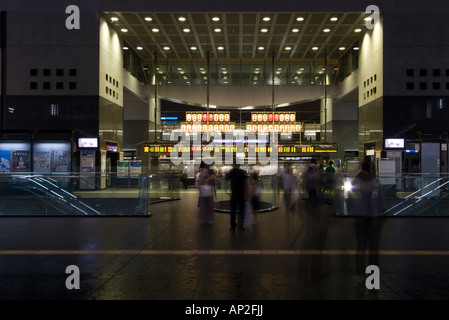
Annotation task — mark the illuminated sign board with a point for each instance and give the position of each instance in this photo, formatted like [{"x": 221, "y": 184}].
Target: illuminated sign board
[{"x": 318, "y": 148}]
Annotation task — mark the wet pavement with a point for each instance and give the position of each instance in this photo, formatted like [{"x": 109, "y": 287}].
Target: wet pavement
[{"x": 305, "y": 255}]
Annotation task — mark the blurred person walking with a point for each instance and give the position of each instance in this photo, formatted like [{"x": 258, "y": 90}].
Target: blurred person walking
[
  {"x": 311, "y": 179},
  {"x": 290, "y": 187},
  {"x": 368, "y": 222},
  {"x": 206, "y": 181},
  {"x": 254, "y": 194}
]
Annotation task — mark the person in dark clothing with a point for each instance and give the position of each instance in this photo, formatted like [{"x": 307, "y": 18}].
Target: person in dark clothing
[{"x": 239, "y": 182}]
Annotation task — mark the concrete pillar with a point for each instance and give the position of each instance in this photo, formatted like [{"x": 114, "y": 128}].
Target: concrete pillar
[{"x": 326, "y": 119}]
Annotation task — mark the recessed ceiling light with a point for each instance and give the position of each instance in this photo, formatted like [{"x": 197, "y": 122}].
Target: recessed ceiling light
[
  {"x": 166, "y": 48},
  {"x": 186, "y": 30},
  {"x": 125, "y": 48},
  {"x": 327, "y": 30},
  {"x": 114, "y": 19},
  {"x": 266, "y": 19},
  {"x": 367, "y": 19},
  {"x": 220, "y": 48},
  {"x": 155, "y": 30},
  {"x": 295, "y": 30},
  {"x": 139, "y": 48},
  {"x": 341, "y": 48},
  {"x": 334, "y": 19},
  {"x": 358, "y": 30},
  {"x": 182, "y": 19},
  {"x": 264, "y": 30},
  {"x": 193, "y": 48},
  {"x": 356, "y": 48},
  {"x": 314, "y": 48},
  {"x": 179, "y": 68},
  {"x": 288, "y": 48},
  {"x": 300, "y": 19},
  {"x": 215, "y": 19},
  {"x": 217, "y": 30},
  {"x": 260, "y": 48},
  {"x": 124, "y": 30},
  {"x": 148, "y": 19}
]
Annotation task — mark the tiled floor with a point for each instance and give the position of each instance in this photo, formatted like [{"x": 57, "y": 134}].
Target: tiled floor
[{"x": 306, "y": 255}]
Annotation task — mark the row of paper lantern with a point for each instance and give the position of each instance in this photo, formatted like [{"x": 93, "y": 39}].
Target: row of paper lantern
[
  {"x": 187, "y": 127},
  {"x": 283, "y": 128},
  {"x": 208, "y": 116},
  {"x": 273, "y": 116}
]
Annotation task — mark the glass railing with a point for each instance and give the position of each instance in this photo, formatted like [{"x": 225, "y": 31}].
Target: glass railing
[
  {"x": 402, "y": 195},
  {"x": 268, "y": 200},
  {"x": 84, "y": 194}
]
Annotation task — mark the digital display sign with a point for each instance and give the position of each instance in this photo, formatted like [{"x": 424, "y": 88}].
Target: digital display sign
[
  {"x": 88, "y": 143},
  {"x": 293, "y": 148},
  {"x": 394, "y": 143}
]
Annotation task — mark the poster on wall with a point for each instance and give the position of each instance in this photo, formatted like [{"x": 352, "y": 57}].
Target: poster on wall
[
  {"x": 42, "y": 161},
  {"x": 87, "y": 168},
  {"x": 60, "y": 161},
  {"x": 5, "y": 161},
  {"x": 103, "y": 170},
  {"x": 21, "y": 161}
]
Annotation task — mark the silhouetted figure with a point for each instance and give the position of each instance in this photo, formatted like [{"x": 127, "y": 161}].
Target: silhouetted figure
[
  {"x": 368, "y": 220},
  {"x": 329, "y": 181},
  {"x": 238, "y": 183},
  {"x": 290, "y": 187}
]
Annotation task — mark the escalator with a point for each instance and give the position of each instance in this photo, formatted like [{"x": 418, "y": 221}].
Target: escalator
[
  {"x": 429, "y": 199},
  {"x": 51, "y": 194}
]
